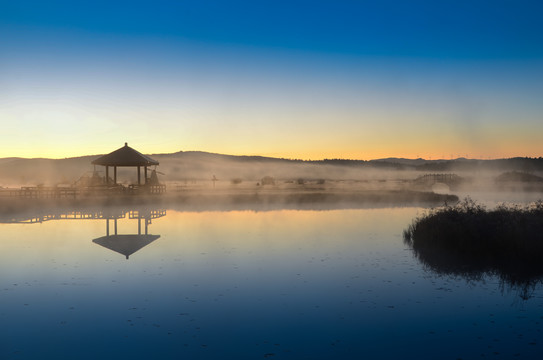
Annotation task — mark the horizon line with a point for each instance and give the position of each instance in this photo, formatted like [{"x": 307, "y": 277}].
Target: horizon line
[{"x": 284, "y": 158}]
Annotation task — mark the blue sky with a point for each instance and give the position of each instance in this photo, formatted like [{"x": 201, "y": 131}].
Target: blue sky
[
  {"x": 428, "y": 29},
  {"x": 300, "y": 79}
]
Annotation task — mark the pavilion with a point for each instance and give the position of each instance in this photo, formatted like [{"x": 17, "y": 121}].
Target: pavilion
[{"x": 125, "y": 157}]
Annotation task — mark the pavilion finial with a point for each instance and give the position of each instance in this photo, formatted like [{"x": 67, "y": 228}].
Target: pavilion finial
[{"x": 125, "y": 144}]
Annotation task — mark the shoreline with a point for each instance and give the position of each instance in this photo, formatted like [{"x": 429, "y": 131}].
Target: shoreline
[{"x": 226, "y": 201}]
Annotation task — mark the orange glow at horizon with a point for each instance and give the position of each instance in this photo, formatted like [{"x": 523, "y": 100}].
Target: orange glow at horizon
[
  {"x": 376, "y": 138},
  {"x": 447, "y": 153}
]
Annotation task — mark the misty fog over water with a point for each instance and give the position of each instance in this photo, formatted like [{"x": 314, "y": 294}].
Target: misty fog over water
[
  {"x": 251, "y": 257},
  {"x": 246, "y": 284}
]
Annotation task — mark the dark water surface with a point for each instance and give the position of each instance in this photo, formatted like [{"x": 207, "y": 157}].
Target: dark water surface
[{"x": 280, "y": 284}]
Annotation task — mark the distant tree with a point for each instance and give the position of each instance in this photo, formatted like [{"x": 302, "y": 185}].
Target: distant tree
[{"x": 267, "y": 180}]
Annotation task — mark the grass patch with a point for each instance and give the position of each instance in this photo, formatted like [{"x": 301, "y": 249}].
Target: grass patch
[{"x": 469, "y": 241}]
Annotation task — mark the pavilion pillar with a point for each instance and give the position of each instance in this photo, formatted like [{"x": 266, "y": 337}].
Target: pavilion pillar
[
  {"x": 139, "y": 176},
  {"x": 115, "y": 221},
  {"x": 107, "y": 227},
  {"x": 139, "y": 225},
  {"x": 107, "y": 175},
  {"x": 145, "y": 174},
  {"x": 114, "y": 175}
]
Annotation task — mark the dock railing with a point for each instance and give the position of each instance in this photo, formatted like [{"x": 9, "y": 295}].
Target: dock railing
[{"x": 53, "y": 192}]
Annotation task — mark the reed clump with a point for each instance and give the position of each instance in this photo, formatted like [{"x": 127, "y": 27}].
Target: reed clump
[{"x": 471, "y": 241}]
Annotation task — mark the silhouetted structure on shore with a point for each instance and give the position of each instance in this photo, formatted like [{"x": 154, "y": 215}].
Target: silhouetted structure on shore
[
  {"x": 96, "y": 185},
  {"x": 126, "y": 157}
]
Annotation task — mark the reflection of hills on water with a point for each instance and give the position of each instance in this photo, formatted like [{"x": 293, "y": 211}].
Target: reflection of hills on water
[{"x": 125, "y": 244}]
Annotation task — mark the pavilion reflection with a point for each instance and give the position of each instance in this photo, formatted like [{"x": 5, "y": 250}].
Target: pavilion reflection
[{"x": 127, "y": 244}]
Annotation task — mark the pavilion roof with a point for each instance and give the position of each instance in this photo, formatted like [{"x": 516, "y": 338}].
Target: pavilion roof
[{"x": 125, "y": 156}]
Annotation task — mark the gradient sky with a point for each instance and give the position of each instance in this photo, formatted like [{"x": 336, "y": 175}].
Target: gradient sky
[{"x": 294, "y": 79}]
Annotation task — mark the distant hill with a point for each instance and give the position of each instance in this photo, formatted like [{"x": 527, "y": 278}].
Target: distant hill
[
  {"x": 516, "y": 176},
  {"x": 402, "y": 161},
  {"x": 199, "y": 165},
  {"x": 461, "y": 164}
]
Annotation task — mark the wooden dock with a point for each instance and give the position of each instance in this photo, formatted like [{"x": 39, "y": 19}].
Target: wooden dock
[
  {"x": 53, "y": 192},
  {"x": 41, "y": 192},
  {"x": 428, "y": 180}
]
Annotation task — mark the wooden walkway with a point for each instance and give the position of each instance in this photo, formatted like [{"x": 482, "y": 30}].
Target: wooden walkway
[
  {"x": 43, "y": 192},
  {"x": 449, "y": 179},
  {"x": 425, "y": 182},
  {"x": 40, "y": 192}
]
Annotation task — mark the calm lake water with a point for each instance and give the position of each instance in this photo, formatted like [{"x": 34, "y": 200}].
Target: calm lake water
[{"x": 284, "y": 284}]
